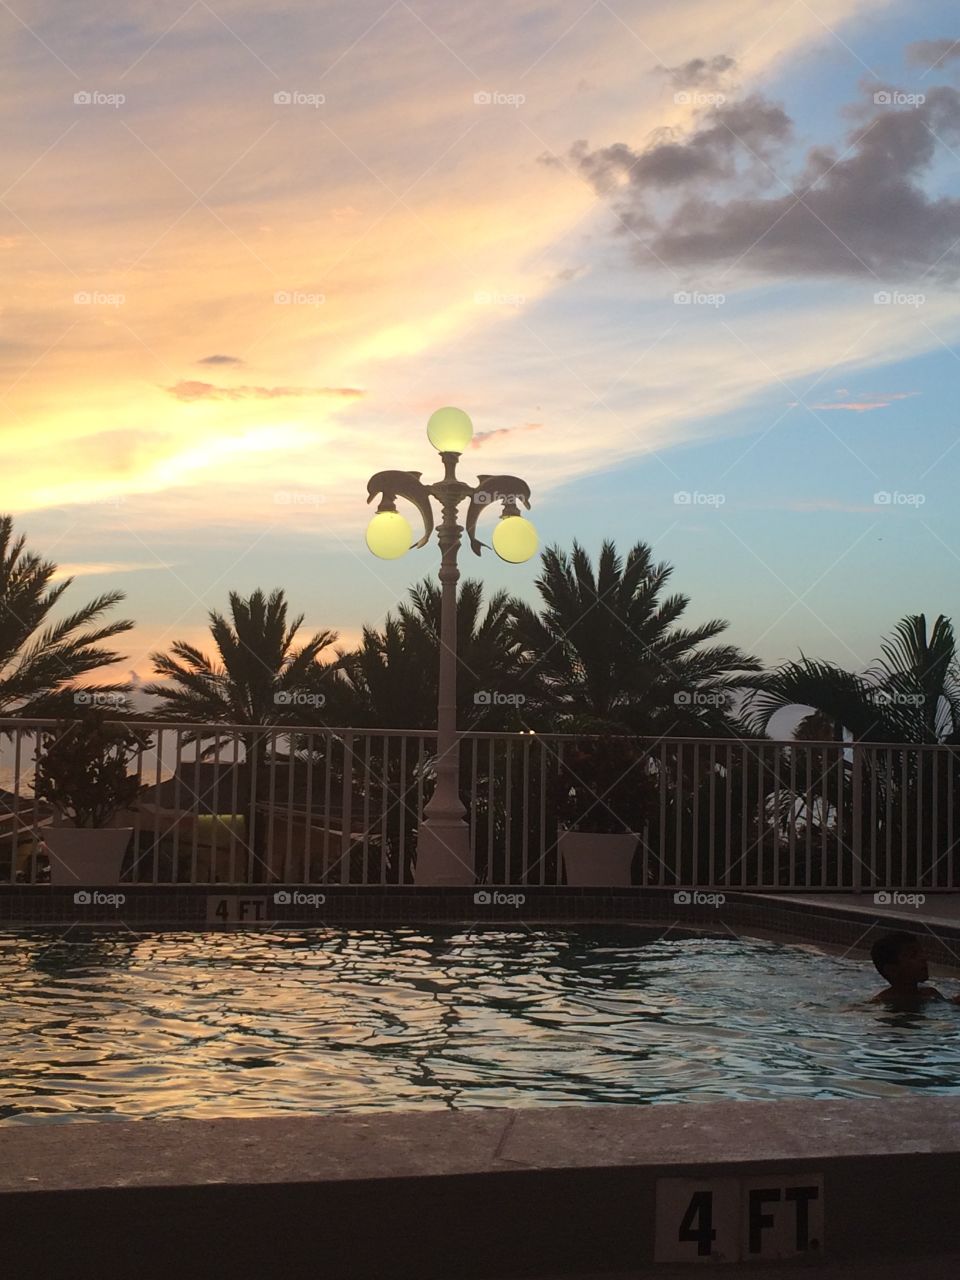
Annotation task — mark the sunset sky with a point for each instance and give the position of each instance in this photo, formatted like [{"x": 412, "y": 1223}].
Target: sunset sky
[{"x": 247, "y": 249}]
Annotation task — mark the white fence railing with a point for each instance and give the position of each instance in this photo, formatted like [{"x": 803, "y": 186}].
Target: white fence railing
[{"x": 296, "y": 805}]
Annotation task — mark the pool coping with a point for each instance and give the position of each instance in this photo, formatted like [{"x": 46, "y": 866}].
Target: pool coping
[
  {"x": 359, "y": 1146},
  {"x": 475, "y": 1193}
]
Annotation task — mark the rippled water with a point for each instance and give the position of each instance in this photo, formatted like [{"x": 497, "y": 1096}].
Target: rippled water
[{"x": 112, "y": 1026}]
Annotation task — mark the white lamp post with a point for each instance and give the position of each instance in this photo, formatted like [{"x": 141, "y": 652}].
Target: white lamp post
[{"x": 443, "y": 841}]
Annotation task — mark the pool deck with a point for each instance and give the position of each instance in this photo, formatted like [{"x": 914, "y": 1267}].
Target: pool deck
[
  {"x": 938, "y": 908},
  {"x": 556, "y": 1193},
  {"x": 936, "y": 920}
]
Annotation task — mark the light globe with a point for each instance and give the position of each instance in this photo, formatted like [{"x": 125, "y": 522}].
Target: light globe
[
  {"x": 389, "y": 535},
  {"x": 449, "y": 430},
  {"x": 514, "y": 539}
]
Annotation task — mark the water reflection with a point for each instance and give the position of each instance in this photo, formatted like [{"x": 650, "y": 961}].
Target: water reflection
[
  {"x": 81, "y": 948},
  {"x": 108, "y": 1025}
]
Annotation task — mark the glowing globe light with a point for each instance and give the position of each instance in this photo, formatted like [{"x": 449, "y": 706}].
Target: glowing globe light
[
  {"x": 514, "y": 539},
  {"x": 449, "y": 430},
  {"x": 389, "y": 535}
]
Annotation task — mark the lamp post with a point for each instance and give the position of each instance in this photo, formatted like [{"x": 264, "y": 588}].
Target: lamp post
[{"x": 443, "y": 840}]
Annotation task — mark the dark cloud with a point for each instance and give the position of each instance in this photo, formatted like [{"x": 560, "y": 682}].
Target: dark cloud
[
  {"x": 699, "y": 73},
  {"x": 728, "y": 135},
  {"x": 231, "y": 360},
  {"x": 856, "y": 210},
  {"x": 189, "y": 391},
  {"x": 933, "y": 53}
]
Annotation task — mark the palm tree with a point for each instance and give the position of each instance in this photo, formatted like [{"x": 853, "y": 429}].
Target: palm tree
[
  {"x": 605, "y": 650},
  {"x": 38, "y": 667},
  {"x": 910, "y": 694},
  {"x": 387, "y": 680},
  {"x": 258, "y": 671},
  {"x": 255, "y": 680},
  {"x": 392, "y": 675}
]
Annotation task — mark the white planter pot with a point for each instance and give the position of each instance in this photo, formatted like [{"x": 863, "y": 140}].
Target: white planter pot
[
  {"x": 82, "y": 856},
  {"x": 597, "y": 859}
]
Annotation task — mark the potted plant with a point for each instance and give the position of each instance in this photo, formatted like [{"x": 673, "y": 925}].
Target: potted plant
[
  {"x": 82, "y": 772},
  {"x": 606, "y": 793}
]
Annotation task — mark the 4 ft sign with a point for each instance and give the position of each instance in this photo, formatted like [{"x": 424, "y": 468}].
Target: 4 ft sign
[
  {"x": 739, "y": 1219},
  {"x": 234, "y": 909}
]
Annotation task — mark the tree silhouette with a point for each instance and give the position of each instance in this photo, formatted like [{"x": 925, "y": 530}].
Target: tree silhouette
[
  {"x": 391, "y": 678},
  {"x": 606, "y": 649},
  {"x": 40, "y": 659},
  {"x": 259, "y": 678},
  {"x": 257, "y": 666},
  {"x": 910, "y": 694}
]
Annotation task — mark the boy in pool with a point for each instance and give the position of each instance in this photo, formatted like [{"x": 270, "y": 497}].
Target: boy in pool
[{"x": 900, "y": 961}]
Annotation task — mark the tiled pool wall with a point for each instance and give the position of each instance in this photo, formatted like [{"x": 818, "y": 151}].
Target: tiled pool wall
[{"x": 205, "y": 907}]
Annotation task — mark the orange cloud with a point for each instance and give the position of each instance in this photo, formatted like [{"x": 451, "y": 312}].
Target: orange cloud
[
  {"x": 104, "y": 567},
  {"x": 189, "y": 391},
  {"x": 879, "y": 401},
  {"x": 481, "y": 438}
]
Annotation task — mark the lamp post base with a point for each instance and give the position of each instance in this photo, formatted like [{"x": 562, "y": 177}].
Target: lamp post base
[{"x": 443, "y": 854}]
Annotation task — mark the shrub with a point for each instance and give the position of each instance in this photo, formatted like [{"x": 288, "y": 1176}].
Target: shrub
[{"x": 82, "y": 767}]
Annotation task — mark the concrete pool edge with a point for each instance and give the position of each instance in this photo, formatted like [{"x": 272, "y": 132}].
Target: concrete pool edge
[
  {"x": 437, "y": 1194},
  {"x": 850, "y": 923}
]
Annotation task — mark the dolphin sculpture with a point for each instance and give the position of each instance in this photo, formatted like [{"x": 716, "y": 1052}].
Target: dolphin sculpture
[
  {"x": 493, "y": 489},
  {"x": 403, "y": 484}
]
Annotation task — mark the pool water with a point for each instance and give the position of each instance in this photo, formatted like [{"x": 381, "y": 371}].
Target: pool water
[{"x": 118, "y": 1026}]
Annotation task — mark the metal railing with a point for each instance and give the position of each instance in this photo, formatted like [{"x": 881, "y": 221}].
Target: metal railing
[{"x": 294, "y": 805}]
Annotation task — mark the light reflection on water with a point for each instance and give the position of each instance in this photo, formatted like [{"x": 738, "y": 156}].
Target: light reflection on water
[{"x": 113, "y": 1026}]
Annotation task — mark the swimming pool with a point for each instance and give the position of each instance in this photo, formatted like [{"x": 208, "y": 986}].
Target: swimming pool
[{"x": 118, "y": 1025}]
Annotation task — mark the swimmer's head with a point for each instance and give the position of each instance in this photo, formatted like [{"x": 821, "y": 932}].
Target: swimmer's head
[{"x": 899, "y": 958}]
